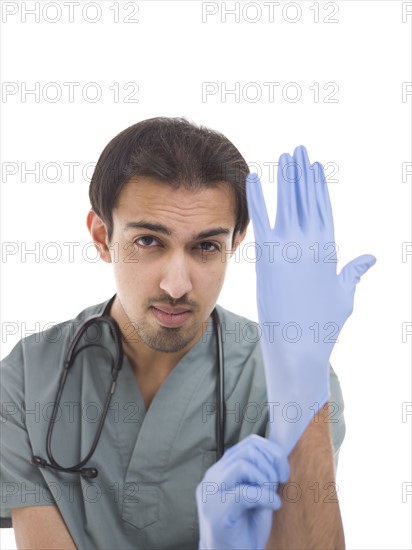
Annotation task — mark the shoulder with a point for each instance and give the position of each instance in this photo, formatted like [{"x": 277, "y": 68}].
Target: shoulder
[
  {"x": 53, "y": 334},
  {"x": 42, "y": 351}
]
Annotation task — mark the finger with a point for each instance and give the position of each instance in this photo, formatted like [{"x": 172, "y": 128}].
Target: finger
[
  {"x": 286, "y": 214},
  {"x": 324, "y": 206},
  {"x": 259, "y": 451},
  {"x": 256, "y": 205},
  {"x": 243, "y": 472},
  {"x": 321, "y": 206},
  {"x": 255, "y": 442},
  {"x": 305, "y": 188},
  {"x": 260, "y": 497},
  {"x": 353, "y": 271},
  {"x": 272, "y": 452}
]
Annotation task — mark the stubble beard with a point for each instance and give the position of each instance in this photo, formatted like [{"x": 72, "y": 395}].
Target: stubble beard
[{"x": 165, "y": 339}]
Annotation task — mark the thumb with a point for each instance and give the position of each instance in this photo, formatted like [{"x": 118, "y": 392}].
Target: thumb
[{"x": 353, "y": 271}]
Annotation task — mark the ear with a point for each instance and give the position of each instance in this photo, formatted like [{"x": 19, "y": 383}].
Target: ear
[{"x": 98, "y": 231}]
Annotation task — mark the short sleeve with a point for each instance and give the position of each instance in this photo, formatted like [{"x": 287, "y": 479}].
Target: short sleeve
[
  {"x": 335, "y": 415},
  {"x": 21, "y": 483}
]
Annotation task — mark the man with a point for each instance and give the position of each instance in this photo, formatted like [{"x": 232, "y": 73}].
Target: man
[{"x": 169, "y": 208}]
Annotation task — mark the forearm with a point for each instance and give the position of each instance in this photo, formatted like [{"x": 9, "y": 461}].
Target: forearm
[
  {"x": 42, "y": 527},
  {"x": 310, "y": 515}
]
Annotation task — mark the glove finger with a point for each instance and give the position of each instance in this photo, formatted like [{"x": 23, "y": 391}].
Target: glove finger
[
  {"x": 257, "y": 206},
  {"x": 247, "y": 497},
  {"x": 305, "y": 187},
  {"x": 352, "y": 272},
  {"x": 257, "y": 450},
  {"x": 242, "y": 472},
  {"x": 286, "y": 214},
  {"x": 272, "y": 452},
  {"x": 260, "y": 497},
  {"x": 324, "y": 206},
  {"x": 273, "y": 455}
]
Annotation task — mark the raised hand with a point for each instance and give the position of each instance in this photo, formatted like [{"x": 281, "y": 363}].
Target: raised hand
[{"x": 302, "y": 302}]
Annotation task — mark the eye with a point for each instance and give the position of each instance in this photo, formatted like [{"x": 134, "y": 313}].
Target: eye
[
  {"x": 146, "y": 241},
  {"x": 208, "y": 246}
]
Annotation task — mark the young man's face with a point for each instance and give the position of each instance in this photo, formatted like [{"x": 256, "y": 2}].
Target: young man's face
[{"x": 170, "y": 250}]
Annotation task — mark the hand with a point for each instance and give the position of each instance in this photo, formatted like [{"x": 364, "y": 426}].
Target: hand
[
  {"x": 302, "y": 302},
  {"x": 238, "y": 494}
]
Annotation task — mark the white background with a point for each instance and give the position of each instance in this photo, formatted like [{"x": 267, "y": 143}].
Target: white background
[{"x": 169, "y": 53}]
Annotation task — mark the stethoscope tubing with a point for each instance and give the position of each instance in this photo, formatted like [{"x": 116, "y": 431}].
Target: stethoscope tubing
[{"x": 103, "y": 317}]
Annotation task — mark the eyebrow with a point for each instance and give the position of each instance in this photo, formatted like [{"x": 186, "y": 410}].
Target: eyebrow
[{"x": 159, "y": 228}]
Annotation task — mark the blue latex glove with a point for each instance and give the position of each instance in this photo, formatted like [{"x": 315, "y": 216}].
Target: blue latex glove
[
  {"x": 238, "y": 494},
  {"x": 302, "y": 302}
]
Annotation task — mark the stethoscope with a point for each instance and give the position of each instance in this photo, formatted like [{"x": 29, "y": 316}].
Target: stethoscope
[{"x": 117, "y": 363}]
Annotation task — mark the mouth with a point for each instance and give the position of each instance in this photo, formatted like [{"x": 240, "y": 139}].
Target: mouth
[{"x": 170, "y": 316}]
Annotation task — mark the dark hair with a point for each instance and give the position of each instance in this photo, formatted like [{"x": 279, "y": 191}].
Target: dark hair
[{"x": 172, "y": 150}]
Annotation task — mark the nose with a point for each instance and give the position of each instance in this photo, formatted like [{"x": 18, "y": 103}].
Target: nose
[{"x": 176, "y": 279}]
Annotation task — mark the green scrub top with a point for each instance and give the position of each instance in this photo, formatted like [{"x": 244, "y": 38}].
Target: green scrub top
[{"x": 149, "y": 461}]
